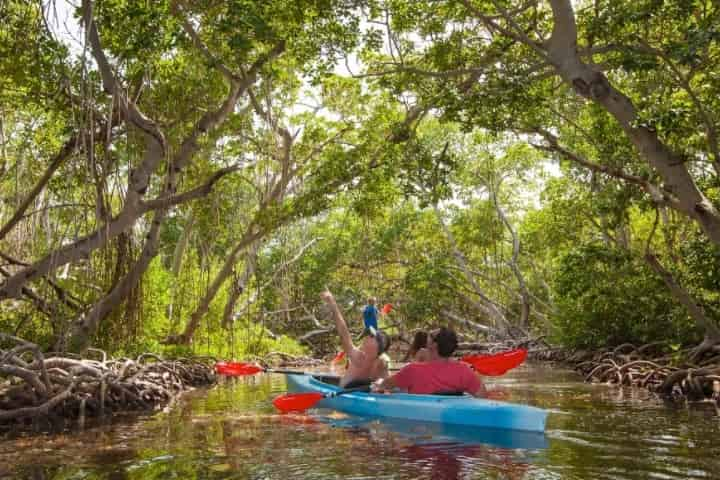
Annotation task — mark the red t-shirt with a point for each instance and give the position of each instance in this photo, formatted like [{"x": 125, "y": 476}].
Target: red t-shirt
[{"x": 437, "y": 376}]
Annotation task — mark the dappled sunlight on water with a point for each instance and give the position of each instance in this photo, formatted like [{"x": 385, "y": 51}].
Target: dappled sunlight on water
[{"x": 232, "y": 432}]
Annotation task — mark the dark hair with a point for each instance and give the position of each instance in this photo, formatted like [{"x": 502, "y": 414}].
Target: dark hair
[
  {"x": 382, "y": 339},
  {"x": 419, "y": 341},
  {"x": 446, "y": 341}
]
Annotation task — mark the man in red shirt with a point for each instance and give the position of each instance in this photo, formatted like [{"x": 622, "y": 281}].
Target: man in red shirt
[{"x": 439, "y": 375}]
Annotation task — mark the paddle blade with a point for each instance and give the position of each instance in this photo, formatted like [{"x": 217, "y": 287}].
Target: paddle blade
[
  {"x": 297, "y": 402},
  {"x": 237, "y": 369},
  {"x": 387, "y": 308},
  {"x": 338, "y": 357},
  {"x": 497, "y": 364}
]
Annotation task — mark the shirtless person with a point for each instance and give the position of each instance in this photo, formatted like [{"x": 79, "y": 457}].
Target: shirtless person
[{"x": 365, "y": 366}]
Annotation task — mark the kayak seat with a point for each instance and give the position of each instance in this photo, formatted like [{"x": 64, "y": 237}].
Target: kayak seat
[
  {"x": 452, "y": 393},
  {"x": 329, "y": 379},
  {"x": 363, "y": 382}
]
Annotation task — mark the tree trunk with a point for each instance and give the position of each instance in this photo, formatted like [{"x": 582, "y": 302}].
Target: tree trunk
[
  {"x": 513, "y": 264},
  {"x": 592, "y": 84},
  {"x": 696, "y": 311},
  {"x": 251, "y": 235},
  {"x": 499, "y": 319},
  {"x": 82, "y": 248},
  {"x": 239, "y": 287},
  {"x": 84, "y": 329}
]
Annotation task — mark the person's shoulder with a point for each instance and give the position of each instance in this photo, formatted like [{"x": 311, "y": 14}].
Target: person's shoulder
[
  {"x": 462, "y": 366},
  {"x": 465, "y": 369},
  {"x": 412, "y": 367}
]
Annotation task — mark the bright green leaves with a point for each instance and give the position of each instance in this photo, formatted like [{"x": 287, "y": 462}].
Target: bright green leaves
[
  {"x": 32, "y": 63},
  {"x": 136, "y": 30},
  {"x": 427, "y": 162}
]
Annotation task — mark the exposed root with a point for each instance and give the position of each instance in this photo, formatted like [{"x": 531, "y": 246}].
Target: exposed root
[
  {"x": 695, "y": 379},
  {"x": 33, "y": 387},
  {"x": 691, "y": 374}
]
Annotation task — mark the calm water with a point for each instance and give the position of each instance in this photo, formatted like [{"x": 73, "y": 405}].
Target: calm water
[{"x": 232, "y": 432}]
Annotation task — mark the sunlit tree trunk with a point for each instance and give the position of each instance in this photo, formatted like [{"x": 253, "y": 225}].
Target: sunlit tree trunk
[
  {"x": 591, "y": 83},
  {"x": 526, "y": 302}
]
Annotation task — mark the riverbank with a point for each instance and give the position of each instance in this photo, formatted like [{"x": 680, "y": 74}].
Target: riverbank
[
  {"x": 44, "y": 391},
  {"x": 52, "y": 392},
  {"x": 232, "y": 431},
  {"x": 682, "y": 375}
]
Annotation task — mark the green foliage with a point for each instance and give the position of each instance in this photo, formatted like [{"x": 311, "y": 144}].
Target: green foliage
[
  {"x": 606, "y": 297},
  {"x": 32, "y": 63},
  {"x": 440, "y": 129}
]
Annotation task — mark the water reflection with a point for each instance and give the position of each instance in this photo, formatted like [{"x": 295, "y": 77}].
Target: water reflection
[
  {"x": 428, "y": 433},
  {"x": 447, "y": 451},
  {"x": 232, "y": 432}
]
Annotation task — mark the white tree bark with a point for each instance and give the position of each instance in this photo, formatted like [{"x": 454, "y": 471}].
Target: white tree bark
[
  {"x": 501, "y": 322},
  {"x": 513, "y": 263}
]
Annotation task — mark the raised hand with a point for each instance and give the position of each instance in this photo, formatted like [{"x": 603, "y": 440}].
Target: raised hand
[{"x": 327, "y": 297}]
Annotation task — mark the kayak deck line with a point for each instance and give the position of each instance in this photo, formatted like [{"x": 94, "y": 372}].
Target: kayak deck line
[{"x": 459, "y": 410}]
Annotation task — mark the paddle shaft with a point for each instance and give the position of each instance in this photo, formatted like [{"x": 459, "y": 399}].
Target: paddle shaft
[
  {"x": 288, "y": 372},
  {"x": 364, "y": 388}
]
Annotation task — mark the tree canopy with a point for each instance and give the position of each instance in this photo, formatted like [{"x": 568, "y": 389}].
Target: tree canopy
[{"x": 190, "y": 175}]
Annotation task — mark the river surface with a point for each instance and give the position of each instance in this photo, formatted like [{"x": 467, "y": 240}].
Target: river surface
[{"x": 232, "y": 432}]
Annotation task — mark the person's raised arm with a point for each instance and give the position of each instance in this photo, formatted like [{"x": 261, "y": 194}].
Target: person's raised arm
[{"x": 342, "y": 328}]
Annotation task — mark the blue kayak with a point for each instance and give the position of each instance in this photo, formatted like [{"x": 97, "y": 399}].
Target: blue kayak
[{"x": 457, "y": 410}]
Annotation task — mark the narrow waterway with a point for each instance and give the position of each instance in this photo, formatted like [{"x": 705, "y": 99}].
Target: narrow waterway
[{"x": 232, "y": 432}]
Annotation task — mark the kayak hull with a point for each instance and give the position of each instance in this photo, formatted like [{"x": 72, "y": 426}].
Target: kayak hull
[{"x": 457, "y": 410}]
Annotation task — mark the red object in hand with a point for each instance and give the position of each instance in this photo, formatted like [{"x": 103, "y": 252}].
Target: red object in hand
[
  {"x": 338, "y": 357},
  {"x": 497, "y": 364},
  {"x": 387, "y": 308}
]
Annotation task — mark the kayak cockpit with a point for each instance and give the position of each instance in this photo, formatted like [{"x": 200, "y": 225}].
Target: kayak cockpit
[{"x": 333, "y": 380}]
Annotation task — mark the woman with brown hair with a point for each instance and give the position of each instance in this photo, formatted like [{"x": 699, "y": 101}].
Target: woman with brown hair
[{"x": 418, "y": 350}]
